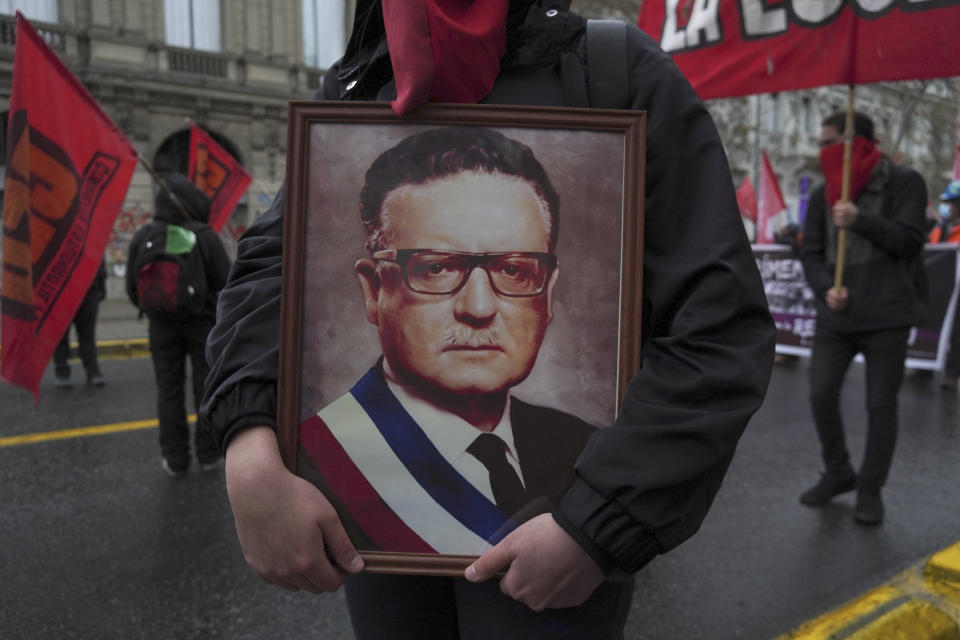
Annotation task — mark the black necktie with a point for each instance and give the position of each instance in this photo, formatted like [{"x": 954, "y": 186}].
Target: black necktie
[{"x": 508, "y": 491}]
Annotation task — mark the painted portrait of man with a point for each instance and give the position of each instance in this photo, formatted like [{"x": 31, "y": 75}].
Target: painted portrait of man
[{"x": 430, "y": 449}]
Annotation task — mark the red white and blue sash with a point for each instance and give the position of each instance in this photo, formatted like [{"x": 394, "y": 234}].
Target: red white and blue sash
[{"x": 391, "y": 479}]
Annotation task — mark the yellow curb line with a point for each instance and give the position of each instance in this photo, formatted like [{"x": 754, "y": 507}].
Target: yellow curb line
[
  {"x": 920, "y": 603},
  {"x": 82, "y": 432},
  {"x": 117, "y": 349}
]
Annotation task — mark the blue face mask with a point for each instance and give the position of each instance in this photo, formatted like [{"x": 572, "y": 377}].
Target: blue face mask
[{"x": 945, "y": 210}]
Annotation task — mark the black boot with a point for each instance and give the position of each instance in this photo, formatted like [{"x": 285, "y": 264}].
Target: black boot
[
  {"x": 869, "y": 505},
  {"x": 831, "y": 484}
]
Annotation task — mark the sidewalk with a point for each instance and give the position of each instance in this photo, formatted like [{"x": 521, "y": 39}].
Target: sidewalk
[{"x": 921, "y": 603}]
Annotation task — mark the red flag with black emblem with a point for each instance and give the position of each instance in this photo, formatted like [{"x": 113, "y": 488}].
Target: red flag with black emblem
[
  {"x": 217, "y": 174},
  {"x": 68, "y": 169}
]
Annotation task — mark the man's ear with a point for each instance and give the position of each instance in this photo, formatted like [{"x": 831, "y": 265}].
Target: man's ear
[
  {"x": 366, "y": 270},
  {"x": 550, "y": 286}
]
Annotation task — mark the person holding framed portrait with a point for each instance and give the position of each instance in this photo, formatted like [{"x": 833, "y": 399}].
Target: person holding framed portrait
[{"x": 641, "y": 485}]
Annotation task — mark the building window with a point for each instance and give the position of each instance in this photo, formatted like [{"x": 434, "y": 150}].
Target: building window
[
  {"x": 193, "y": 24},
  {"x": 324, "y": 24},
  {"x": 40, "y": 10}
]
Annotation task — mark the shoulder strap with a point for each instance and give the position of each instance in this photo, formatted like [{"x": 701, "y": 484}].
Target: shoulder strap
[{"x": 607, "y": 79}]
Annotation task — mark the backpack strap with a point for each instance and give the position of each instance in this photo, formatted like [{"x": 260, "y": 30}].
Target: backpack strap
[{"x": 608, "y": 81}]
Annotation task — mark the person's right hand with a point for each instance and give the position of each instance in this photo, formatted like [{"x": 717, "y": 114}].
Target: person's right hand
[
  {"x": 837, "y": 298},
  {"x": 289, "y": 532}
]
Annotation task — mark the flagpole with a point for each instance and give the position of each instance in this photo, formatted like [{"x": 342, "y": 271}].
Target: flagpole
[
  {"x": 166, "y": 187},
  {"x": 844, "y": 189}
]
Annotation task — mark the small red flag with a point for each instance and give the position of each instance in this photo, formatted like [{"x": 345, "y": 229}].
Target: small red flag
[
  {"x": 217, "y": 174},
  {"x": 68, "y": 169},
  {"x": 771, "y": 209},
  {"x": 747, "y": 200}
]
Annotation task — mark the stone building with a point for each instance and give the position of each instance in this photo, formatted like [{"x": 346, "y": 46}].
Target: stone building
[{"x": 231, "y": 66}]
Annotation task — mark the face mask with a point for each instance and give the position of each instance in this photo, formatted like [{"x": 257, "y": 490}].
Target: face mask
[{"x": 944, "y": 210}]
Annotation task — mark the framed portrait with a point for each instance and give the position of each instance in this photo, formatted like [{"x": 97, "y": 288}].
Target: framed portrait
[{"x": 461, "y": 310}]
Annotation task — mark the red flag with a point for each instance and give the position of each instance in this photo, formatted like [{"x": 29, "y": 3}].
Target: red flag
[
  {"x": 747, "y": 200},
  {"x": 68, "y": 169},
  {"x": 771, "y": 209},
  {"x": 217, "y": 174},
  {"x": 741, "y": 47}
]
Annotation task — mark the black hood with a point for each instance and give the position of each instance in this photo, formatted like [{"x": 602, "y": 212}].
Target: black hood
[
  {"x": 366, "y": 68},
  {"x": 196, "y": 203}
]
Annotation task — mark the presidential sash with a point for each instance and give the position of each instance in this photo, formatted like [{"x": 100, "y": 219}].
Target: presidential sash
[{"x": 392, "y": 481}]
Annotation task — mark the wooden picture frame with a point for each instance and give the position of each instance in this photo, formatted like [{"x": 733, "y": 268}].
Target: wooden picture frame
[{"x": 572, "y": 330}]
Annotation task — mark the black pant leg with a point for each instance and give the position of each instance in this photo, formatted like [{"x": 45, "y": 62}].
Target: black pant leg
[
  {"x": 85, "y": 321},
  {"x": 196, "y": 342},
  {"x": 168, "y": 352},
  {"x": 61, "y": 356},
  {"x": 884, "y": 352},
  {"x": 388, "y": 607},
  {"x": 832, "y": 354}
]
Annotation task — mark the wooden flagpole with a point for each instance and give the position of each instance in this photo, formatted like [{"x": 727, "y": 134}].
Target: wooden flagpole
[{"x": 844, "y": 189}]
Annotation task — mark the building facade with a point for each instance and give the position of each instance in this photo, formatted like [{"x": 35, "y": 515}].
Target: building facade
[{"x": 231, "y": 66}]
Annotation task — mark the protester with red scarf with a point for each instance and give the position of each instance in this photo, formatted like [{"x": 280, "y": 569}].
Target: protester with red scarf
[
  {"x": 643, "y": 484},
  {"x": 871, "y": 312}
]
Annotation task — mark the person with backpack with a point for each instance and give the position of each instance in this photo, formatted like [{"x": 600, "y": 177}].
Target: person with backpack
[
  {"x": 642, "y": 485},
  {"x": 176, "y": 267}
]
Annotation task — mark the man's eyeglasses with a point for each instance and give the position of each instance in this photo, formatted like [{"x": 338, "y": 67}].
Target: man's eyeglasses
[{"x": 433, "y": 271}]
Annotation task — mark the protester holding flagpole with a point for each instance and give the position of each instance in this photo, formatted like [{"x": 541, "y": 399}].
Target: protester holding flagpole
[{"x": 871, "y": 313}]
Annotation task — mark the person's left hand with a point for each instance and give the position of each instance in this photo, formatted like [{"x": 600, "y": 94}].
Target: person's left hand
[
  {"x": 545, "y": 567},
  {"x": 844, "y": 213}
]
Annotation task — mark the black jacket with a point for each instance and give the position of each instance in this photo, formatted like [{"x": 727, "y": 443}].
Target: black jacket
[
  {"x": 645, "y": 483},
  {"x": 883, "y": 252},
  {"x": 215, "y": 260}
]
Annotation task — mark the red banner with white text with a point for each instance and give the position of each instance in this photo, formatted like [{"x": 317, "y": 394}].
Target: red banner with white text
[
  {"x": 740, "y": 47},
  {"x": 217, "y": 174},
  {"x": 68, "y": 169}
]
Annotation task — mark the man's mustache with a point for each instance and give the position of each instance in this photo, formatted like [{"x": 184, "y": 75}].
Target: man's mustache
[{"x": 462, "y": 336}]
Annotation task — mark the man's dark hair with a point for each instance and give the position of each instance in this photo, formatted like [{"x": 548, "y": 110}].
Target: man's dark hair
[
  {"x": 862, "y": 124},
  {"x": 435, "y": 154}
]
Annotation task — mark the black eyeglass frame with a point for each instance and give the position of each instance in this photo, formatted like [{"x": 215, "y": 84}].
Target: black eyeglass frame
[{"x": 402, "y": 256}]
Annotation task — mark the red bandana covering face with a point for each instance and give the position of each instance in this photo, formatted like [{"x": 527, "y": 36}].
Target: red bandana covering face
[
  {"x": 444, "y": 50},
  {"x": 864, "y": 156}
]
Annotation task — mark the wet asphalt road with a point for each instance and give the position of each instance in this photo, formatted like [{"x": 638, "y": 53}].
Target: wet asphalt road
[{"x": 96, "y": 542}]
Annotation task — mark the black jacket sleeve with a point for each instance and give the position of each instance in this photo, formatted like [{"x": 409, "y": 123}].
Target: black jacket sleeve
[
  {"x": 216, "y": 262},
  {"x": 814, "y": 246},
  {"x": 901, "y": 234},
  {"x": 242, "y": 348},
  {"x": 645, "y": 484},
  {"x": 133, "y": 254}
]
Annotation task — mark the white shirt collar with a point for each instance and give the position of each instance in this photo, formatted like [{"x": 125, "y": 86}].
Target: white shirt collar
[{"x": 449, "y": 433}]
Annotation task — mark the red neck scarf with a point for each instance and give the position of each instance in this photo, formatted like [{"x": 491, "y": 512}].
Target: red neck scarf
[
  {"x": 864, "y": 156},
  {"x": 444, "y": 50}
]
